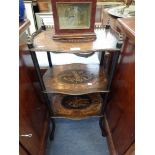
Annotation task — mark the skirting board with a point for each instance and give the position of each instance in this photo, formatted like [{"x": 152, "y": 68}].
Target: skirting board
[{"x": 111, "y": 146}]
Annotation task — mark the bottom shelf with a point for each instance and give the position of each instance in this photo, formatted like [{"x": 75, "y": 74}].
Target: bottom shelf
[{"x": 76, "y": 107}]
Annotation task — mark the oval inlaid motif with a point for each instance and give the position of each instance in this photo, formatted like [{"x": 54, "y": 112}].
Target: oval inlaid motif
[
  {"x": 76, "y": 102},
  {"x": 75, "y": 76}
]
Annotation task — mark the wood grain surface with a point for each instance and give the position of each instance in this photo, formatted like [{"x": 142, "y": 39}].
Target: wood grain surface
[
  {"x": 128, "y": 26},
  {"x": 23, "y": 26},
  {"x": 54, "y": 84},
  {"x": 121, "y": 108},
  {"x": 106, "y": 40},
  {"x": 93, "y": 110},
  {"x": 33, "y": 115}
]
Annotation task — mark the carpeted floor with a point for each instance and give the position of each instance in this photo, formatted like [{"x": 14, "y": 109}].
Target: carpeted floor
[{"x": 81, "y": 137}]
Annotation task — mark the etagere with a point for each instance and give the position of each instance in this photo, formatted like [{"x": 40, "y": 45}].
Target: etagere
[{"x": 77, "y": 90}]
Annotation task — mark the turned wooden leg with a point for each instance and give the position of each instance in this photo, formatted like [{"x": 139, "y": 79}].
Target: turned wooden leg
[
  {"x": 102, "y": 126},
  {"x": 53, "y": 130}
]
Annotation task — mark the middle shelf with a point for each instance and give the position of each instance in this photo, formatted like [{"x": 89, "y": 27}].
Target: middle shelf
[{"x": 75, "y": 79}]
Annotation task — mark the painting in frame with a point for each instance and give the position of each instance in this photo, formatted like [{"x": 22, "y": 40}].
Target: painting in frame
[{"x": 74, "y": 16}]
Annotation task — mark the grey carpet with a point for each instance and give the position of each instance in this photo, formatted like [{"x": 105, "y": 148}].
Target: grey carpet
[{"x": 81, "y": 137}]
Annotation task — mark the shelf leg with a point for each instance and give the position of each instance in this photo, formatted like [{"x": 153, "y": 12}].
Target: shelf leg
[
  {"x": 103, "y": 109},
  {"x": 53, "y": 129},
  {"x": 49, "y": 59},
  {"x": 36, "y": 65},
  {"x": 102, "y": 127},
  {"x": 114, "y": 63},
  {"x": 113, "y": 67},
  {"x": 38, "y": 71},
  {"x": 102, "y": 57},
  {"x": 112, "y": 70}
]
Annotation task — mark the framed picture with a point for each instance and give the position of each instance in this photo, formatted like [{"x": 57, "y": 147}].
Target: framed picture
[{"x": 74, "y": 16}]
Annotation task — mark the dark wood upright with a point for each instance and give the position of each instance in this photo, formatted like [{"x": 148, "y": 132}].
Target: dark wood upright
[{"x": 120, "y": 112}]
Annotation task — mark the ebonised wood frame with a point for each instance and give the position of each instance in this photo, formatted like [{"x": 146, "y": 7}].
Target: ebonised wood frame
[{"x": 111, "y": 68}]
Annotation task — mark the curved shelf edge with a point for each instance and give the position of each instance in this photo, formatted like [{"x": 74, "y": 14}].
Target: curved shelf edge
[
  {"x": 70, "y": 51},
  {"x": 77, "y": 107},
  {"x": 76, "y": 118},
  {"x": 76, "y": 93},
  {"x": 107, "y": 39},
  {"x": 75, "y": 79}
]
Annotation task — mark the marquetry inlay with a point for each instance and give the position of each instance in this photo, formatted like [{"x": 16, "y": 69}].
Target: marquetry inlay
[
  {"x": 76, "y": 102},
  {"x": 76, "y": 106},
  {"x": 76, "y": 76}
]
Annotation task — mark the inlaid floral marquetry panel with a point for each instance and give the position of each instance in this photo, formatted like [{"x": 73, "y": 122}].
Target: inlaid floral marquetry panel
[
  {"x": 76, "y": 107},
  {"x": 76, "y": 102},
  {"x": 75, "y": 79},
  {"x": 76, "y": 76}
]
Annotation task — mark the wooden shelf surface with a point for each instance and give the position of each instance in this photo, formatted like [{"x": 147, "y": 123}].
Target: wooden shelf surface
[
  {"x": 106, "y": 40},
  {"x": 83, "y": 106},
  {"x": 128, "y": 26},
  {"x": 75, "y": 79},
  {"x": 23, "y": 26}
]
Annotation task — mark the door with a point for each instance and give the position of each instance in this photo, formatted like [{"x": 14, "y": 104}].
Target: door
[{"x": 33, "y": 121}]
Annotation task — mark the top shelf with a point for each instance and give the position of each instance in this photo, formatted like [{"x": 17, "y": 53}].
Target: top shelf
[{"x": 106, "y": 39}]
